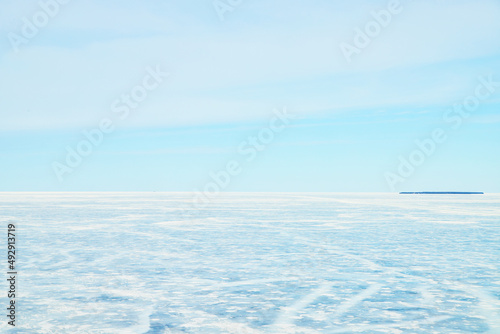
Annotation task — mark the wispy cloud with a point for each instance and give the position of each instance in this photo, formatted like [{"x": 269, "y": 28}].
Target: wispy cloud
[{"x": 233, "y": 71}]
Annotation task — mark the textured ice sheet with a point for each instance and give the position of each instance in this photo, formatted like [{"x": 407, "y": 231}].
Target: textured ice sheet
[{"x": 255, "y": 263}]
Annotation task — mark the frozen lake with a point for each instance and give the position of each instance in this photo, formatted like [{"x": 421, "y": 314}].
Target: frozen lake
[{"x": 255, "y": 263}]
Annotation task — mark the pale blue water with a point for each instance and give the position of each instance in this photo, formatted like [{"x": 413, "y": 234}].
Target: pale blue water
[{"x": 255, "y": 263}]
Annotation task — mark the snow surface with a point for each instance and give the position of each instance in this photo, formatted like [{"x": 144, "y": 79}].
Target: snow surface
[{"x": 255, "y": 263}]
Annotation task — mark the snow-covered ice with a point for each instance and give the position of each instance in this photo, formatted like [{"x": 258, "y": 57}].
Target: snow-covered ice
[{"x": 255, "y": 263}]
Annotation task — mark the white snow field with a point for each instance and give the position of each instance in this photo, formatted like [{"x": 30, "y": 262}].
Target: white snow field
[{"x": 254, "y": 263}]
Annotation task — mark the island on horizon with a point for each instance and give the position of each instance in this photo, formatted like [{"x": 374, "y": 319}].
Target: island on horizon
[{"x": 442, "y": 192}]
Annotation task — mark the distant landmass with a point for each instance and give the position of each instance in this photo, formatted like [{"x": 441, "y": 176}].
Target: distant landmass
[{"x": 443, "y": 192}]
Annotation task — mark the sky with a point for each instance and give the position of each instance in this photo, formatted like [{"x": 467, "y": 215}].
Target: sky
[{"x": 257, "y": 95}]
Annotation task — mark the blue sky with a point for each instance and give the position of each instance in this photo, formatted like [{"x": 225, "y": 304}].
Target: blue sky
[{"x": 353, "y": 120}]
